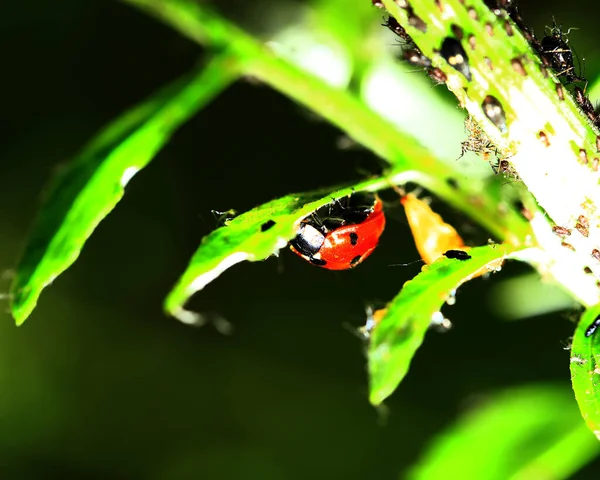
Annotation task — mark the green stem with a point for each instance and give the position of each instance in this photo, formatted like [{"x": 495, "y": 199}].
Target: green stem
[{"x": 341, "y": 109}]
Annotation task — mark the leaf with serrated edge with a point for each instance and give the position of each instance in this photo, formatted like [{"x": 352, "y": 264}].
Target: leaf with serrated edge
[
  {"x": 401, "y": 331},
  {"x": 585, "y": 369},
  {"x": 91, "y": 186}
]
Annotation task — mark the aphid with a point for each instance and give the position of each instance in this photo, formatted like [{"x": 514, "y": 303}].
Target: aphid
[
  {"x": 477, "y": 141},
  {"x": 457, "y": 31},
  {"x": 518, "y": 67},
  {"x": 584, "y": 103},
  {"x": 455, "y": 55},
  {"x": 555, "y": 48},
  {"x": 415, "y": 21},
  {"x": 583, "y": 225},
  {"x": 583, "y": 158},
  {"x": 508, "y": 6},
  {"x": 415, "y": 57},
  {"x": 495, "y": 6},
  {"x": 437, "y": 75},
  {"x": 596, "y": 254},
  {"x": 377, "y": 3},
  {"x": 494, "y": 112},
  {"x": 472, "y": 42},
  {"x": 595, "y": 163},
  {"x": 489, "y": 29},
  {"x": 452, "y": 183},
  {"x": 578, "y": 360},
  {"x": 560, "y": 92},
  {"x": 544, "y": 138},
  {"x": 374, "y": 317},
  {"x": 224, "y": 217},
  {"x": 473, "y": 14},
  {"x": 567, "y": 245},
  {"x": 561, "y": 231},
  {"x": 457, "y": 255},
  {"x": 504, "y": 167},
  {"x": 267, "y": 225},
  {"x": 398, "y": 29},
  {"x": 589, "y": 331}
]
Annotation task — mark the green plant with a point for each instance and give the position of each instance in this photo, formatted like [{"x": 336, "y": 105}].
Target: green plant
[{"x": 87, "y": 191}]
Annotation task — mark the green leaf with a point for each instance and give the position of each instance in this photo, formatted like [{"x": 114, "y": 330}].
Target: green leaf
[
  {"x": 519, "y": 434},
  {"x": 90, "y": 187},
  {"x": 247, "y": 238},
  {"x": 401, "y": 331},
  {"x": 585, "y": 368}
]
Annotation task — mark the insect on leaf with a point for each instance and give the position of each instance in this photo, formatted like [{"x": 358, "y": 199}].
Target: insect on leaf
[
  {"x": 253, "y": 236},
  {"x": 400, "y": 332},
  {"x": 585, "y": 367}
]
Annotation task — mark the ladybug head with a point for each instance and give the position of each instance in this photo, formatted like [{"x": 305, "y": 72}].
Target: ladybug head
[{"x": 308, "y": 240}]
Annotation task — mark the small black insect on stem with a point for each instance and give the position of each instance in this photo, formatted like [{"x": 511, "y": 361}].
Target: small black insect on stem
[
  {"x": 593, "y": 327},
  {"x": 457, "y": 255}
]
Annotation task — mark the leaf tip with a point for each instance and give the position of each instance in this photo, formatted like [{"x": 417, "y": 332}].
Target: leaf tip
[
  {"x": 21, "y": 305},
  {"x": 383, "y": 382}
]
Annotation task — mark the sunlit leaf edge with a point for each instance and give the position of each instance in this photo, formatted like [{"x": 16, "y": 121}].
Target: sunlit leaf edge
[
  {"x": 401, "y": 331},
  {"x": 93, "y": 183}
]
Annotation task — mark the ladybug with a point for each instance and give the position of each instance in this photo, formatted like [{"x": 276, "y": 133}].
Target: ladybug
[{"x": 343, "y": 235}]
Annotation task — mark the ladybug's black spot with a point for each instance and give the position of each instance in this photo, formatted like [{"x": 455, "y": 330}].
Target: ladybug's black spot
[
  {"x": 455, "y": 55},
  {"x": 267, "y": 225},
  {"x": 317, "y": 261},
  {"x": 494, "y": 112},
  {"x": 355, "y": 260},
  {"x": 353, "y": 238},
  {"x": 593, "y": 327},
  {"x": 457, "y": 254}
]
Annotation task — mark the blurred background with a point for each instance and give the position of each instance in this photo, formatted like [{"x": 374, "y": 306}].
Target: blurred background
[{"x": 99, "y": 383}]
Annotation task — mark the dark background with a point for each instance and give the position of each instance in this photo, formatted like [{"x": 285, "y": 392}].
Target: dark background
[{"x": 98, "y": 383}]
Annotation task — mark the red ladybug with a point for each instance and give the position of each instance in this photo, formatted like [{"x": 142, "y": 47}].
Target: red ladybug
[{"x": 344, "y": 235}]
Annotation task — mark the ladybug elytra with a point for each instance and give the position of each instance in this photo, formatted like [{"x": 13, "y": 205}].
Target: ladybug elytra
[{"x": 343, "y": 235}]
